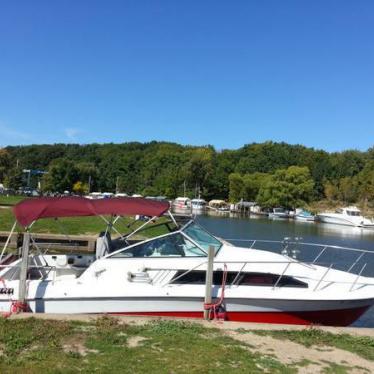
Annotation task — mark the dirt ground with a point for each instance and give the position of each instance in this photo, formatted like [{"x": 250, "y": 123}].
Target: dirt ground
[{"x": 314, "y": 359}]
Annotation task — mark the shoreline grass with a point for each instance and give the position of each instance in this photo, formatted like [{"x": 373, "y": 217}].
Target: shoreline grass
[{"x": 109, "y": 345}]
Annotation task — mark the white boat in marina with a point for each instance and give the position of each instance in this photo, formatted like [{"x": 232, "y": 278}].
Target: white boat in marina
[
  {"x": 165, "y": 275},
  {"x": 182, "y": 205},
  {"x": 198, "y": 205},
  {"x": 349, "y": 216}
]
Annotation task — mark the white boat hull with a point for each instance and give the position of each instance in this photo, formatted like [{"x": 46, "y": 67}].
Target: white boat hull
[
  {"x": 305, "y": 219},
  {"x": 335, "y": 312},
  {"x": 340, "y": 221}
]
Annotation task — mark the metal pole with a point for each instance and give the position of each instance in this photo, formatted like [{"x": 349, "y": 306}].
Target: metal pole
[
  {"x": 209, "y": 280},
  {"x": 24, "y": 267},
  {"x": 8, "y": 240}
]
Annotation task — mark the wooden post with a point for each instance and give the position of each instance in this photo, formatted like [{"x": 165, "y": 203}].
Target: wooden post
[
  {"x": 209, "y": 280},
  {"x": 24, "y": 266}
]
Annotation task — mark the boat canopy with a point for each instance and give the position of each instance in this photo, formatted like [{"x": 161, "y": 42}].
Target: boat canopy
[{"x": 31, "y": 210}]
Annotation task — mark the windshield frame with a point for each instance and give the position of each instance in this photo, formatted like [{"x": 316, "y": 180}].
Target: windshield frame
[
  {"x": 192, "y": 222},
  {"x": 180, "y": 231}
]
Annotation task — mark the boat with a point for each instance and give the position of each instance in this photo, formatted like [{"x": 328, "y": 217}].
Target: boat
[
  {"x": 349, "y": 216},
  {"x": 304, "y": 215},
  {"x": 198, "y": 205},
  {"x": 279, "y": 213},
  {"x": 121, "y": 194},
  {"x": 219, "y": 206},
  {"x": 182, "y": 205},
  {"x": 165, "y": 275}
]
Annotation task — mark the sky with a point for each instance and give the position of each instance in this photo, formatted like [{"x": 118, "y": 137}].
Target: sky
[{"x": 225, "y": 73}]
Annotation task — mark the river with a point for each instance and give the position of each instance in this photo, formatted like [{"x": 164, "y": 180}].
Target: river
[{"x": 249, "y": 228}]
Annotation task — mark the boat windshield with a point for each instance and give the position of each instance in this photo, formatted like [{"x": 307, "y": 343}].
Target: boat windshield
[
  {"x": 174, "y": 245},
  {"x": 355, "y": 213},
  {"x": 202, "y": 237}
]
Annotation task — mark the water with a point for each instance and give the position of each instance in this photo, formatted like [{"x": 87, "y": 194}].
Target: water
[{"x": 236, "y": 227}]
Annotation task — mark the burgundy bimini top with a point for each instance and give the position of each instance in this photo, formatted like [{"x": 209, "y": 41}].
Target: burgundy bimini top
[{"x": 31, "y": 210}]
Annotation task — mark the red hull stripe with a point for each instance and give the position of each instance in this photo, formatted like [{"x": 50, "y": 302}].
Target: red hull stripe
[{"x": 341, "y": 317}]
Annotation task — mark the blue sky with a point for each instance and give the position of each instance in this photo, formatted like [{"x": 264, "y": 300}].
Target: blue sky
[{"x": 216, "y": 72}]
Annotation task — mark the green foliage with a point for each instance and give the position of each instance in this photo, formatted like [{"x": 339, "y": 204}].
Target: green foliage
[
  {"x": 236, "y": 187},
  {"x": 162, "y": 168},
  {"x": 246, "y": 187},
  {"x": 365, "y": 180},
  {"x": 331, "y": 191},
  {"x": 4, "y": 163},
  {"x": 289, "y": 188},
  {"x": 80, "y": 188},
  {"x": 62, "y": 174},
  {"x": 348, "y": 189},
  {"x": 253, "y": 183},
  {"x": 14, "y": 178}
]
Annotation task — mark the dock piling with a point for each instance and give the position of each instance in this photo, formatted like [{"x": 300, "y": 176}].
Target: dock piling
[{"x": 209, "y": 281}]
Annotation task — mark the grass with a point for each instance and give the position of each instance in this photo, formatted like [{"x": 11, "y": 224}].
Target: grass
[
  {"x": 360, "y": 345},
  {"x": 11, "y": 200},
  {"x": 107, "y": 346}
]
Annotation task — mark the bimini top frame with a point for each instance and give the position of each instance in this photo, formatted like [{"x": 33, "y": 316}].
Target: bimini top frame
[{"x": 30, "y": 210}]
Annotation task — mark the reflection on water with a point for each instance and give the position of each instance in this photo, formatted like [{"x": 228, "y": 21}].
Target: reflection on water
[{"x": 261, "y": 228}]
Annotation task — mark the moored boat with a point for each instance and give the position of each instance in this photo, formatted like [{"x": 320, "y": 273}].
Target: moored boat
[
  {"x": 304, "y": 215},
  {"x": 219, "y": 206},
  {"x": 182, "y": 205},
  {"x": 349, "y": 216},
  {"x": 198, "y": 205},
  {"x": 165, "y": 275}
]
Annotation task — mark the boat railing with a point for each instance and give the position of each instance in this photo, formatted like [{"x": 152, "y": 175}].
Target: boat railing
[
  {"x": 40, "y": 268},
  {"x": 344, "y": 258},
  {"x": 285, "y": 272},
  {"x": 326, "y": 255}
]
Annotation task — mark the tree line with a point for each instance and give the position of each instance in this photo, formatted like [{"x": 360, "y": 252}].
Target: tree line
[{"x": 270, "y": 173}]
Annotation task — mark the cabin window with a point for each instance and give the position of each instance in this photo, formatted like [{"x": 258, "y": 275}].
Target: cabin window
[
  {"x": 244, "y": 279},
  {"x": 202, "y": 237},
  {"x": 175, "y": 245},
  {"x": 353, "y": 213}
]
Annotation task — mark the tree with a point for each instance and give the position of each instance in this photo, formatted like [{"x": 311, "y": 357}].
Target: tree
[
  {"x": 331, "y": 191},
  {"x": 62, "y": 174},
  {"x": 199, "y": 168},
  {"x": 366, "y": 183},
  {"x": 236, "y": 187},
  {"x": 162, "y": 167},
  {"x": 4, "y": 163},
  {"x": 80, "y": 188},
  {"x": 14, "y": 178},
  {"x": 252, "y": 185},
  {"x": 348, "y": 189},
  {"x": 289, "y": 188},
  {"x": 346, "y": 164},
  {"x": 87, "y": 172}
]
